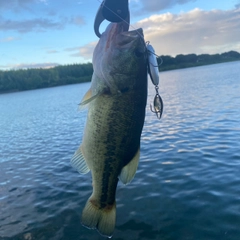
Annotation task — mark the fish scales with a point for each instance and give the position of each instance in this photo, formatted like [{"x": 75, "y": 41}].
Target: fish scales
[
  {"x": 120, "y": 140},
  {"x": 116, "y": 111}
]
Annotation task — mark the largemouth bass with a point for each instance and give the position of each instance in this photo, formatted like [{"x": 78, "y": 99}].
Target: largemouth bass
[{"x": 116, "y": 110}]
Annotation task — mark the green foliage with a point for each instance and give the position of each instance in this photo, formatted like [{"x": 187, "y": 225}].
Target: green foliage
[
  {"x": 26, "y": 79},
  {"x": 192, "y": 60}
]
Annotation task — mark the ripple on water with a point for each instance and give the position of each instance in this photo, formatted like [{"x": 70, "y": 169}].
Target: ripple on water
[{"x": 187, "y": 183}]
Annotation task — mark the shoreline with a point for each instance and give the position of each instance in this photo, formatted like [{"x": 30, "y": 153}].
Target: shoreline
[{"x": 83, "y": 79}]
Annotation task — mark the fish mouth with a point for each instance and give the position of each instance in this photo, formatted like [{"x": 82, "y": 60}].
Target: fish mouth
[
  {"x": 118, "y": 33},
  {"x": 137, "y": 33},
  {"x": 126, "y": 37}
]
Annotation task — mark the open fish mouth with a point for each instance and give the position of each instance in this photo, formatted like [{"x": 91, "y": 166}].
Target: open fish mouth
[
  {"x": 136, "y": 33},
  {"x": 128, "y": 38},
  {"x": 126, "y": 41},
  {"x": 131, "y": 39},
  {"x": 118, "y": 31}
]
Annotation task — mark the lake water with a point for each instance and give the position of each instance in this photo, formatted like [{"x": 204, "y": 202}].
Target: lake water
[{"x": 187, "y": 186}]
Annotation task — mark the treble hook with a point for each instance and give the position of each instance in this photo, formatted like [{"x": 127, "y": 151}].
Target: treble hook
[{"x": 157, "y": 104}]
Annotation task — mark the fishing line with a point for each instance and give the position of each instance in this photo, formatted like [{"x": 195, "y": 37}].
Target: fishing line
[
  {"x": 130, "y": 25},
  {"x": 157, "y": 56}
]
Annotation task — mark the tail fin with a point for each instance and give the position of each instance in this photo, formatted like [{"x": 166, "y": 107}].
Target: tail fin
[{"x": 101, "y": 218}]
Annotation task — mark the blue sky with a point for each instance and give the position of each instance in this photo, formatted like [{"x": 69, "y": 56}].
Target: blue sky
[{"x": 45, "y": 33}]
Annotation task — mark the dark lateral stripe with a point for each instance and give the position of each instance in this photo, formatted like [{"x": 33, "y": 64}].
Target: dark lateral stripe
[{"x": 111, "y": 163}]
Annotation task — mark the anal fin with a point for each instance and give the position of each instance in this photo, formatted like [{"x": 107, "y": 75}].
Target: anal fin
[
  {"x": 79, "y": 163},
  {"x": 128, "y": 172}
]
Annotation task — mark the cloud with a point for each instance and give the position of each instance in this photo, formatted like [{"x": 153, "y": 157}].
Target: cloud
[
  {"x": 30, "y": 65},
  {"x": 156, "y": 5},
  {"x": 44, "y": 1},
  {"x": 196, "y": 31},
  {"x": 78, "y": 20},
  {"x": 19, "y": 5},
  {"x": 15, "y": 3},
  {"x": 8, "y": 39},
  {"x": 85, "y": 51},
  {"x": 52, "y": 51},
  {"x": 37, "y": 25}
]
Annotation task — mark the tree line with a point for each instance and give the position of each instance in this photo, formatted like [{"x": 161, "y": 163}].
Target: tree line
[
  {"x": 27, "y": 79},
  {"x": 192, "y": 60}
]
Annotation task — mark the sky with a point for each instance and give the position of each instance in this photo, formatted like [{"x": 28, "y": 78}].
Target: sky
[{"x": 47, "y": 33}]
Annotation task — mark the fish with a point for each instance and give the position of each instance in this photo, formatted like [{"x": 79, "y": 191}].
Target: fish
[{"x": 116, "y": 103}]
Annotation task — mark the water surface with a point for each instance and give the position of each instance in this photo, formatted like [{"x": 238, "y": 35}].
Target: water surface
[{"x": 188, "y": 182}]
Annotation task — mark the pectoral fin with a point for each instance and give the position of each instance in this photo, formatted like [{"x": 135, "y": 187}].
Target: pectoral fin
[
  {"x": 128, "y": 172},
  {"x": 79, "y": 163},
  {"x": 88, "y": 97}
]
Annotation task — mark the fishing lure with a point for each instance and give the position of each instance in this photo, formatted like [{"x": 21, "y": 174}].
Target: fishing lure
[{"x": 154, "y": 75}]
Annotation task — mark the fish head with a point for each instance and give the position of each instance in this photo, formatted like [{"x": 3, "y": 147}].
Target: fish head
[{"x": 120, "y": 58}]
